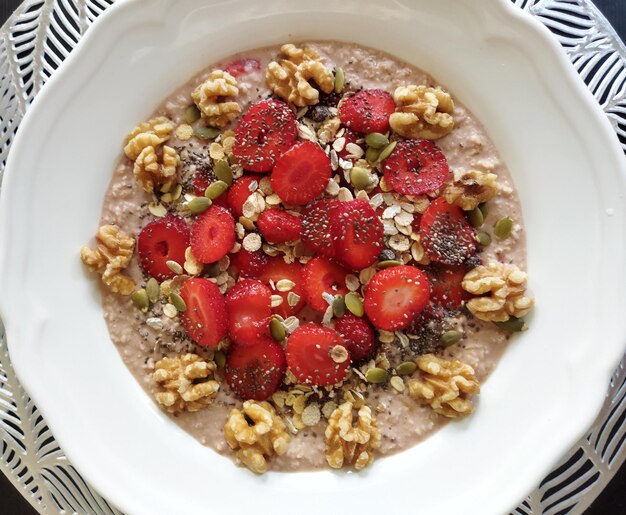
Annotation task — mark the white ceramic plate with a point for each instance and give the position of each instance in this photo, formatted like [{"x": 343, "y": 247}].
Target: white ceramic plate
[{"x": 565, "y": 161}]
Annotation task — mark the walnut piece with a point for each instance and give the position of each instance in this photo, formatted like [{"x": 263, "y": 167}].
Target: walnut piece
[
  {"x": 445, "y": 385},
  {"x": 150, "y": 170},
  {"x": 468, "y": 189},
  {"x": 502, "y": 288},
  {"x": 257, "y": 433},
  {"x": 186, "y": 382},
  {"x": 289, "y": 76},
  {"x": 422, "y": 112},
  {"x": 212, "y": 96},
  {"x": 112, "y": 254},
  {"x": 348, "y": 444},
  {"x": 148, "y": 134}
]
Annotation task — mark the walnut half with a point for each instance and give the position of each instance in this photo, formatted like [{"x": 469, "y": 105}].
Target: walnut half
[
  {"x": 156, "y": 166},
  {"x": 212, "y": 98},
  {"x": 468, "y": 189},
  {"x": 422, "y": 112}
]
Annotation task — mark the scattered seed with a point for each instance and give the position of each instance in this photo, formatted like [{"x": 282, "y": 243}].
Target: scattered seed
[
  {"x": 450, "y": 338},
  {"x": 157, "y": 209},
  {"x": 192, "y": 114},
  {"x": 483, "y": 238},
  {"x": 339, "y": 306},
  {"x": 277, "y": 330},
  {"x": 386, "y": 152},
  {"x": 503, "y": 227},
  {"x": 153, "y": 289},
  {"x": 170, "y": 311},
  {"x": 512, "y": 325},
  {"x": 174, "y": 267},
  {"x": 476, "y": 217},
  {"x": 223, "y": 171},
  {"x": 484, "y": 209},
  {"x": 359, "y": 177},
  {"x": 199, "y": 204},
  {"x": 397, "y": 383},
  {"x": 206, "y": 132},
  {"x": 340, "y": 80},
  {"x": 140, "y": 299},
  {"x": 376, "y": 375},
  {"x": 220, "y": 359},
  {"x": 406, "y": 368},
  {"x": 376, "y": 140},
  {"x": 388, "y": 263},
  {"x": 276, "y": 300},
  {"x": 372, "y": 154},
  {"x": 178, "y": 302},
  {"x": 354, "y": 303},
  {"x": 177, "y": 192},
  {"x": 215, "y": 189},
  {"x": 352, "y": 282}
]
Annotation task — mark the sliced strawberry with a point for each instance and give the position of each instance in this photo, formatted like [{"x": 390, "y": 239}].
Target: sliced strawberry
[
  {"x": 248, "y": 264},
  {"x": 205, "y": 319},
  {"x": 212, "y": 235},
  {"x": 301, "y": 174},
  {"x": 249, "y": 309},
  {"x": 395, "y": 296},
  {"x": 357, "y": 232},
  {"x": 162, "y": 240},
  {"x": 278, "y": 226},
  {"x": 275, "y": 270},
  {"x": 255, "y": 371},
  {"x": 415, "y": 167},
  {"x": 367, "y": 111},
  {"x": 445, "y": 287},
  {"x": 350, "y": 137},
  {"x": 446, "y": 235},
  {"x": 239, "y": 192},
  {"x": 266, "y": 131},
  {"x": 242, "y": 67},
  {"x": 316, "y": 227},
  {"x": 323, "y": 276},
  {"x": 358, "y": 336},
  {"x": 310, "y": 357}
]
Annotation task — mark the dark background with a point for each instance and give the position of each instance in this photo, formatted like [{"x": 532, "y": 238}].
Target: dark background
[{"x": 611, "y": 502}]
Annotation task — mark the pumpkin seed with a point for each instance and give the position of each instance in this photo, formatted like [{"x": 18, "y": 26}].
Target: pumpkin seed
[
  {"x": 215, "y": 189},
  {"x": 178, "y": 302},
  {"x": 153, "y": 289},
  {"x": 199, "y": 204},
  {"x": 192, "y": 114},
  {"x": 359, "y": 177},
  {"x": 483, "y": 238},
  {"x": 397, "y": 383},
  {"x": 503, "y": 227},
  {"x": 386, "y": 152},
  {"x": 177, "y": 192},
  {"x": 406, "y": 368},
  {"x": 174, "y": 267},
  {"x": 376, "y": 375},
  {"x": 140, "y": 299},
  {"x": 354, "y": 303},
  {"x": 223, "y": 172},
  {"x": 376, "y": 140},
  {"x": 206, "y": 132},
  {"x": 371, "y": 155},
  {"x": 340, "y": 80},
  {"x": 157, "y": 209},
  {"x": 512, "y": 325},
  {"x": 339, "y": 306},
  {"x": 484, "y": 208},
  {"x": 476, "y": 217},
  {"x": 450, "y": 338},
  {"x": 277, "y": 330},
  {"x": 388, "y": 263},
  {"x": 220, "y": 359}
]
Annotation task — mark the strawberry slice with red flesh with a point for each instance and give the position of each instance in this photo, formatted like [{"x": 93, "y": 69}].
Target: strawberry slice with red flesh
[
  {"x": 445, "y": 233},
  {"x": 249, "y": 309},
  {"x": 395, "y": 296},
  {"x": 445, "y": 287},
  {"x": 301, "y": 174},
  {"x": 239, "y": 192},
  {"x": 243, "y": 67},
  {"x": 357, "y": 233},
  {"x": 323, "y": 276},
  {"x": 310, "y": 355},
  {"x": 205, "y": 319},
  {"x": 278, "y": 226},
  {"x": 416, "y": 167},
  {"x": 255, "y": 371},
  {"x": 367, "y": 111},
  {"x": 275, "y": 270},
  {"x": 248, "y": 264},
  {"x": 212, "y": 235},
  {"x": 358, "y": 336},
  {"x": 162, "y": 240},
  {"x": 266, "y": 131},
  {"x": 316, "y": 235}
]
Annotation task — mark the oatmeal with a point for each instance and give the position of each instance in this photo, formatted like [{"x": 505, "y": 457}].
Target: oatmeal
[{"x": 311, "y": 256}]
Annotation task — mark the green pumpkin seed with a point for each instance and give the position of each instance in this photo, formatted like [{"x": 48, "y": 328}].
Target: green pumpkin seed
[
  {"x": 177, "y": 192},
  {"x": 484, "y": 208},
  {"x": 277, "y": 330},
  {"x": 215, "y": 190},
  {"x": 483, "y": 238},
  {"x": 206, "y": 132},
  {"x": 192, "y": 114},
  {"x": 178, "y": 302},
  {"x": 223, "y": 172},
  {"x": 376, "y": 375},
  {"x": 359, "y": 178},
  {"x": 503, "y": 227},
  {"x": 174, "y": 267},
  {"x": 140, "y": 299},
  {"x": 512, "y": 325},
  {"x": 220, "y": 359},
  {"x": 376, "y": 140},
  {"x": 406, "y": 368},
  {"x": 371, "y": 154},
  {"x": 386, "y": 152},
  {"x": 340, "y": 80},
  {"x": 153, "y": 289},
  {"x": 199, "y": 204},
  {"x": 450, "y": 338},
  {"x": 339, "y": 306},
  {"x": 476, "y": 218},
  {"x": 354, "y": 303},
  {"x": 388, "y": 263}
]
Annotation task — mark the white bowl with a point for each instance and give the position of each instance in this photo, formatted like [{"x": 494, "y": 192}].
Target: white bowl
[{"x": 565, "y": 161}]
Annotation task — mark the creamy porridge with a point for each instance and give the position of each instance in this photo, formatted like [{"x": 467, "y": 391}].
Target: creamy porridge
[{"x": 323, "y": 232}]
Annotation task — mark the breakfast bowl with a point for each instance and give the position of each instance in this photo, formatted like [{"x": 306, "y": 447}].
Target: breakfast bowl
[{"x": 567, "y": 167}]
